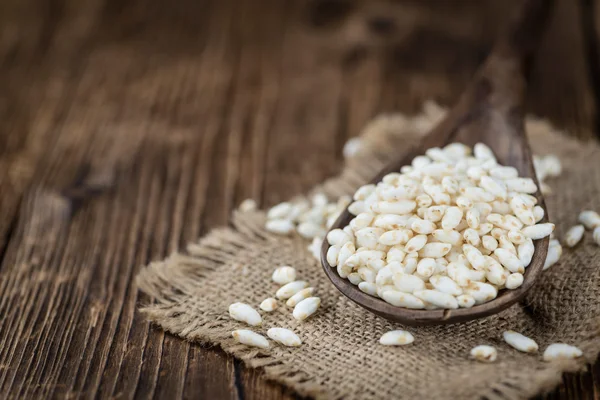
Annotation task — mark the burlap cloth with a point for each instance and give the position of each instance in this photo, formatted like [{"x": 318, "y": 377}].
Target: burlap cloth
[{"x": 341, "y": 356}]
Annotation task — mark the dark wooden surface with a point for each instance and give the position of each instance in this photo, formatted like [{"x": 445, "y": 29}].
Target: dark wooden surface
[{"x": 130, "y": 127}]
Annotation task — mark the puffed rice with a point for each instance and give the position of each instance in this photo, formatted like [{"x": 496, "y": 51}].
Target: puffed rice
[
  {"x": 290, "y": 289},
  {"x": 284, "y": 336},
  {"x": 306, "y": 308},
  {"x": 484, "y": 353},
  {"x": 590, "y": 219},
  {"x": 269, "y": 304},
  {"x": 298, "y": 297},
  {"x": 248, "y": 205},
  {"x": 284, "y": 274},
  {"x": 396, "y": 338},
  {"x": 561, "y": 351},
  {"x": 448, "y": 225},
  {"x": 245, "y": 313},
  {"x": 513, "y": 281},
  {"x": 574, "y": 235},
  {"x": 520, "y": 342},
  {"x": 250, "y": 338},
  {"x": 554, "y": 253}
]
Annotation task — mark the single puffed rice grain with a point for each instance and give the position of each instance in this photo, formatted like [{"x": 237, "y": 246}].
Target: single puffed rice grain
[
  {"x": 445, "y": 285},
  {"x": 435, "y": 250},
  {"x": 473, "y": 218},
  {"x": 481, "y": 292},
  {"x": 520, "y": 342},
  {"x": 422, "y": 227},
  {"x": 368, "y": 288},
  {"x": 509, "y": 260},
  {"x": 284, "y": 336},
  {"x": 280, "y": 211},
  {"x": 514, "y": 281},
  {"x": 554, "y": 253},
  {"x": 590, "y": 219},
  {"x": 516, "y": 237},
  {"x": 501, "y": 207},
  {"x": 332, "y": 255},
  {"x": 306, "y": 308},
  {"x": 501, "y": 172},
  {"x": 494, "y": 186},
  {"x": 489, "y": 243},
  {"x": 245, "y": 313},
  {"x": 384, "y": 276},
  {"x": 474, "y": 257},
  {"x": 401, "y": 299},
  {"x": 354, "y": 278},
  {"x": 284, "y": 274},
  {"x": 437, "y": 298},
  {"x": 538, "y": 213},
  {"x": 248, "y": 205},
  {"x": 495, "y": 273},
  {"x": 250, "y": 338},
  {"x": 396, "y": 338},
  {"x": 416, "y": 243},
  {"x": 345, "y": 251},
  {"x": 484, "y": 353},
  {"x": 269, "y": 304},
  {"x": 574, "y": 235},
  {"x": 471, "y": 237},
  {"x": 298, "y": 297},
  {"x": 352, "y": 147},
  {"x": 279, "y": 226},
  {"x": 464, "y": 203},
  {"x": 485, "y": 228},
  {"x": 483, "y": 152},
  {"x": 426, "y": 267},
  {"x": 452, "y": 218},
  {"x": 596, "y": 235},
  {"x": 290, "y": 289},
  {"x": 368, "y": 237},
  {"x": 465, "y": 301},
  {"x": 561, "y": 351},
  {"x": 400, "y": 207},
  {"x": 522, "y": 185},
  {"x": 309, "y": 230},
  {"x": 407, "y": 283},
  {"x": 506, "y": 244},
  {"x": 362, "y": 220},
  {"x": 525, "y": 252},
  {"x": 357, "y": 207},
  {"x": 337, "y": 237},
  {"x": 538, "y": 231},
  {"x": 448, "y": 236},
  {"x": 394, "y": 237}
]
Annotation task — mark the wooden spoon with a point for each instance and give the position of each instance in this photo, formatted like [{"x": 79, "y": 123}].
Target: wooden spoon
[{"x": 489, "y": 111}]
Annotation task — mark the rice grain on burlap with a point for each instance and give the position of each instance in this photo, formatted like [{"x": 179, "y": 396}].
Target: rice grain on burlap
[{"x": 340, "y": 356}]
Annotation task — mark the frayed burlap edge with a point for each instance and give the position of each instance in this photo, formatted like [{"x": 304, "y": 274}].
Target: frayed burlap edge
[{"x": 168, "y": 281}]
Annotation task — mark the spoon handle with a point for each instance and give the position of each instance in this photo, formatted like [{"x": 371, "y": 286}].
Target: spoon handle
[
  {"x": 493, "y": 101},
  {"x": 523, "y": 33}
]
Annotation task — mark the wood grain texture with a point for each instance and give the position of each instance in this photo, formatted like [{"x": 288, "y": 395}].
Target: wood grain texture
[{"x": 128, "y": 128}]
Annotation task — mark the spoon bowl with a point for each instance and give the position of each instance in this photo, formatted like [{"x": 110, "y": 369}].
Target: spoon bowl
[{"x": 490, "y": 111}]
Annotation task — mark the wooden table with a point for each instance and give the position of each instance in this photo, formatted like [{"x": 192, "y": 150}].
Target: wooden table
[{"x": 130, "y": 127}]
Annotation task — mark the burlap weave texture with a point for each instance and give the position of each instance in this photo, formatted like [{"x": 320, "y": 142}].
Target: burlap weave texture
[{"x": 340, "y": 356}]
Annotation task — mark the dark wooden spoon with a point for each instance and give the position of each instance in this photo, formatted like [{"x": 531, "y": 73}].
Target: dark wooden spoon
[{"x": 491, "y": 111}]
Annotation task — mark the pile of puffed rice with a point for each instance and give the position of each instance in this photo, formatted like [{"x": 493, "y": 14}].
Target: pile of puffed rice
[{"x": 448, "y": 231}]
